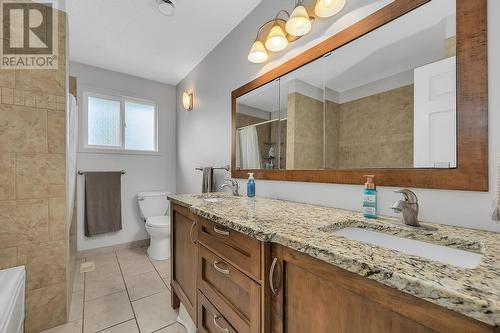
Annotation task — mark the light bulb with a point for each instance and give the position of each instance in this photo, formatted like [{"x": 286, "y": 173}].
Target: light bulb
[
  {"x": 276, "y": 41},
  {"x": 328, "y": 8},
  {"x": 299, "y": 23},
  {"x": 258, "y": 53}
]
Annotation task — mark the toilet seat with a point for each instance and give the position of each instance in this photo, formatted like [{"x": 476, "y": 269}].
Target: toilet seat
[{"x": 158, "y": 221}]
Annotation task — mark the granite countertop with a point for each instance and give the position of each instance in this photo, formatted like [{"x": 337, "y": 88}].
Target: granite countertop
[{"x": 309, "y": 229}]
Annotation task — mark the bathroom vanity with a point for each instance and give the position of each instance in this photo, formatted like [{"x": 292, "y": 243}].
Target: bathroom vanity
[{"x": 266, "y": 265}]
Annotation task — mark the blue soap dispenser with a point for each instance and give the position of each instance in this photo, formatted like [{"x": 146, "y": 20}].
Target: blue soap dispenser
[
  {"x": 370, "y": 198},
  {"x": 251, "y": 186}
]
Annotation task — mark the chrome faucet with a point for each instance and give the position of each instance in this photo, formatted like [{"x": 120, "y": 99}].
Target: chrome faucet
[
  {"x": 408, "y": 206},
  {"x": 234, "y": 186}
]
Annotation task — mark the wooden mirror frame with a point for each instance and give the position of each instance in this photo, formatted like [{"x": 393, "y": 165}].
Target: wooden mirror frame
[{"x": 471, "y": 172}]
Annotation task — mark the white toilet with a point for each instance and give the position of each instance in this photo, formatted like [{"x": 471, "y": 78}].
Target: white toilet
[{"x": 155, "y": 209}]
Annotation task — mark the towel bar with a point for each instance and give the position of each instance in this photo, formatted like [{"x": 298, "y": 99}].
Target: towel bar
[
  {"x": 219, "y": 168},
  {"x": 80, "y": 172}
]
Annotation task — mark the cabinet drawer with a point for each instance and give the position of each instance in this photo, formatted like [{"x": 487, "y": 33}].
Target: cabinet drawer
[
  {"x": 233, "y": 293},
  {"x": 209, "y": 319},
  {"x": 236, "y": 248}
]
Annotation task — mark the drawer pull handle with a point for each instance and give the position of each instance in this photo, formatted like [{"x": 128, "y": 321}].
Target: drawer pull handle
[
  {"x": 222, "y": 232},
  {"x": 274, "y": 290},
  {"x": 220, "y": 328},
  {"x": 191, "y": 233},
  {"x": 220, "y": 270}
]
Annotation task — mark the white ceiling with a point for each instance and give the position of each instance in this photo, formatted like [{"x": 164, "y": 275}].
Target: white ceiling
[{"x": 133, "y": 37}]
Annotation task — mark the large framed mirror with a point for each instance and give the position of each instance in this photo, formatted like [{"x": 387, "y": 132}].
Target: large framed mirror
[{"x": 401, "y": 94}]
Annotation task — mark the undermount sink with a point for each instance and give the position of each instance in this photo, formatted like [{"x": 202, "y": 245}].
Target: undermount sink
[
  {"x": 439, "y": 253},
  {"x": 214, "y": 197}
]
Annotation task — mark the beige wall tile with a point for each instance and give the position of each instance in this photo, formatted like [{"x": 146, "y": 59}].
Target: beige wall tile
[
  {"x": 7, "y": 96},
  {"x": 56, "y": 132},
  {"x": 40, "y": 175},
  {"x": 41, "y": 102},
  {"x": 45, "y": 264},
  {"x": 8, "y": 258},
  {"x": 23, "y": 222},
  {"x": 45, "y": 308},
  {"x": 7, "y": 176},
  {"x": 7, "y": 78},
  {"x": 19, "y": 97},
  {"x": 57, "y": 218},
  {"x": 41, "y": 81},
  {"x": 29, "y": 99},
  {"x": 22, "y": 129}
]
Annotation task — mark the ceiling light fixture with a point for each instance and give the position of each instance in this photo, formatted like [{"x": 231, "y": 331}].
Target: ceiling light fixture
[
  {"x": 280, "y": 32},
  {"x": 328, "y": 8},
  {"x": 167, "y": 7}
]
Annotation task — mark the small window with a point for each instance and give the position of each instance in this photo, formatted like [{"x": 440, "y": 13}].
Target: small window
[{"x": 120, "y": 123}]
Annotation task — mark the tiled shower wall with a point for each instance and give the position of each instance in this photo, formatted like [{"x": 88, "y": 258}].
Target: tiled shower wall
[{"x": 32, "y": 185}]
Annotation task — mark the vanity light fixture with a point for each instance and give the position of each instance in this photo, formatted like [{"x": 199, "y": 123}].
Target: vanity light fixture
[
  {"x": 276, "y": 41},
  {"x": 299, "y": 23},
  {"x": 258, "y": 53},
  {"x": 187, "y": 100},
  {"x": 328, "y": 8},
  {"x": 276, "y": 34}
]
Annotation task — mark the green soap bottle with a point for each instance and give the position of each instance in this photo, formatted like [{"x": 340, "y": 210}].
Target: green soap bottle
[{"x": 370, "y": 198}]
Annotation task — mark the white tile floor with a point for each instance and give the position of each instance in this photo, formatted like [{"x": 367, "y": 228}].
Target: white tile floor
[{"x": 127, "y": 293}]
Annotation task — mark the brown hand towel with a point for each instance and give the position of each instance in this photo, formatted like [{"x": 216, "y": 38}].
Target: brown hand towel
[
  {"x": 208, "y": 180},
  {"x": 103, "y": 204}
]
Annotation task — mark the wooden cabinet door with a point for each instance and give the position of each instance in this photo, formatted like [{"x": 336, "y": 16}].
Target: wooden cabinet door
[
  {"x": 313, "y": 296},
  {"x": 184, "y": 258}
]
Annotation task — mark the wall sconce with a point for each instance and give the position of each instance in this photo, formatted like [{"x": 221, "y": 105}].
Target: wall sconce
[
  {"x": 279, "y": 32},
  {"x": 187, "y": 100}
]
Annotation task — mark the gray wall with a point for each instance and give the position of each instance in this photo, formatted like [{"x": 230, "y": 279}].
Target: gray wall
[
  {"x": 145, "y": 172},
  {"x": 204, "y": 134}
]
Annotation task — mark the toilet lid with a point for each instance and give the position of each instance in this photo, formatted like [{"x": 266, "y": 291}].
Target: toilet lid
[{"x": 158, "y": 221}]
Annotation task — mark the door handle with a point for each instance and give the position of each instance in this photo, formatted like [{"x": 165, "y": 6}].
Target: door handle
[
  {"x": 220, "y": 328},
  {"x": 221, "y": 270},
  {"x": 191, "y": 233},
  {"x": 222, "y": 232},
  {"x": 274, "y": 290}
]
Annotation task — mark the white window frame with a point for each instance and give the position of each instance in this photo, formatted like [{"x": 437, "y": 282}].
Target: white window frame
[{"x": 113, "y": 96}]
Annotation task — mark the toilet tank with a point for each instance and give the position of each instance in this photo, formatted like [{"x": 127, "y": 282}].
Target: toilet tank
[{"x": 153, "y": 203}]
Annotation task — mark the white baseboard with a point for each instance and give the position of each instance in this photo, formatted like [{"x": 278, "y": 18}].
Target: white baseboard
[{"x": 109, "y": 249}]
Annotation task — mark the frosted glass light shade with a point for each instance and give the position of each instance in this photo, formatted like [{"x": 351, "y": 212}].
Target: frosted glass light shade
[
  {"x": 258, "y": 53},
  {"x": 299, "y": 23},
  {"x": 328, "y": 8},
  {"x": 276, "y": 41},
  {"x": 187, "y": 101}
]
